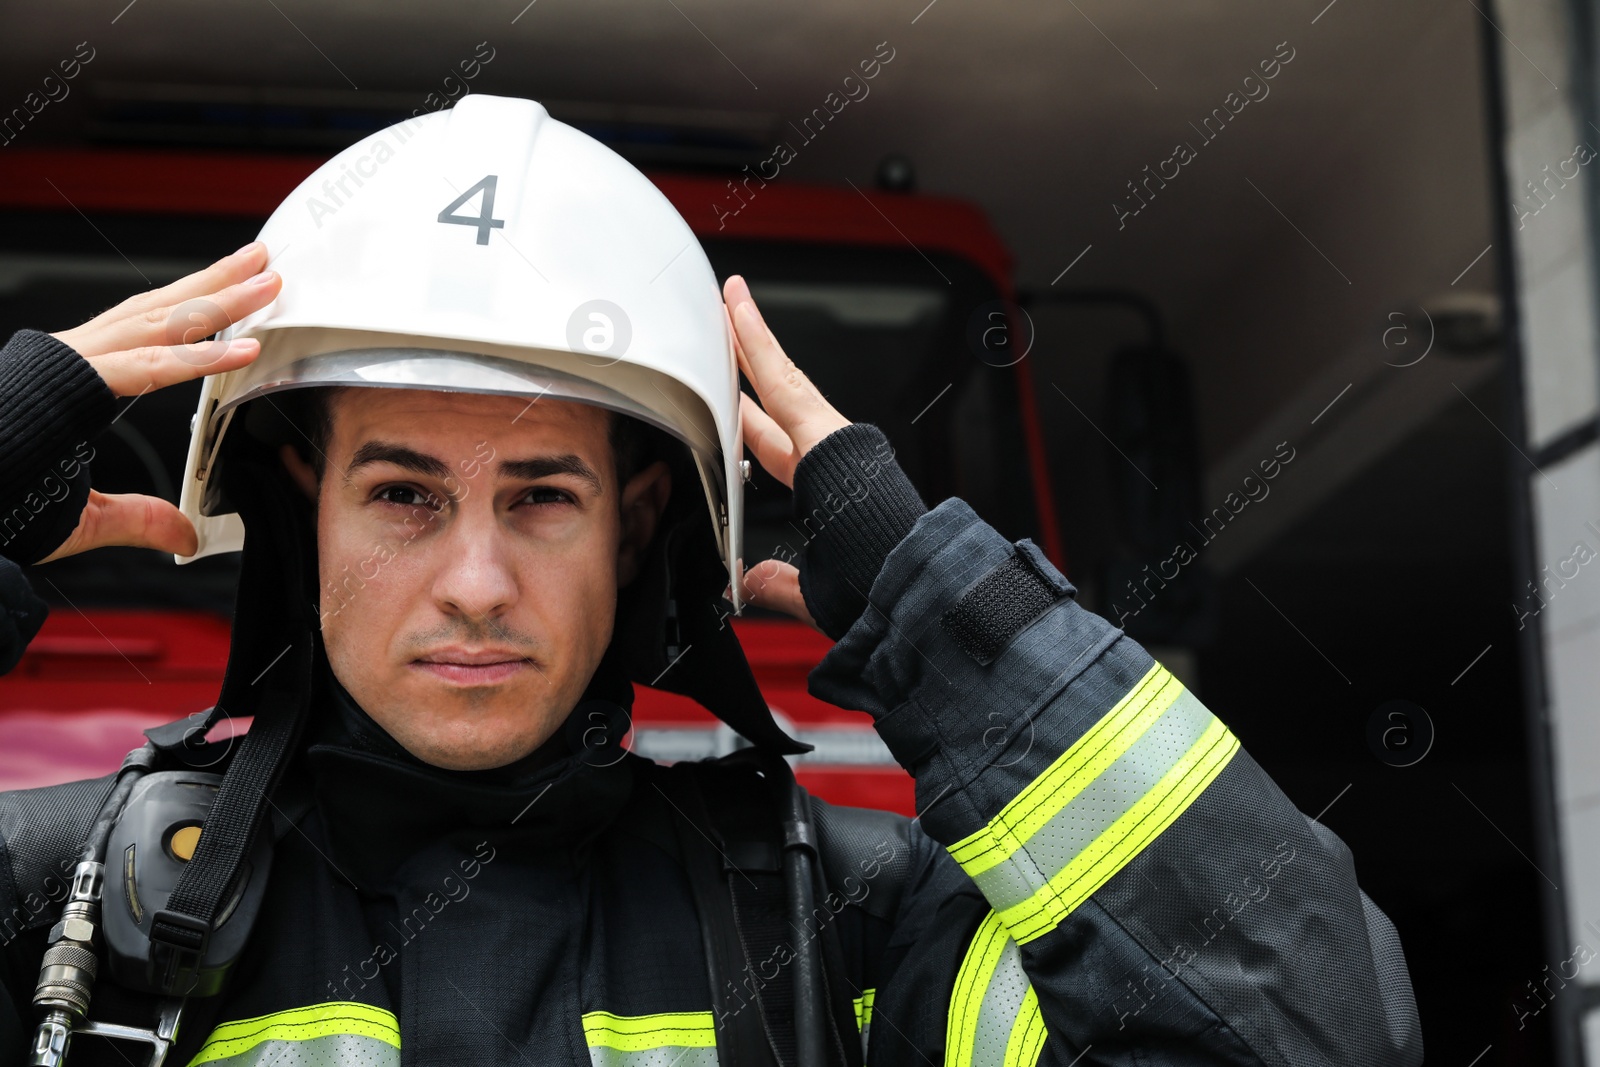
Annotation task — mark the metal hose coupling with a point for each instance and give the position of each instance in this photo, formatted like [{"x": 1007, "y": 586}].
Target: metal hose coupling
[{"x": 67, "y": 973}]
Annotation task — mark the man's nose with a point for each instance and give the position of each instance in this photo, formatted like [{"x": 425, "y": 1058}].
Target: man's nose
[{"x": 475, "y": 578}]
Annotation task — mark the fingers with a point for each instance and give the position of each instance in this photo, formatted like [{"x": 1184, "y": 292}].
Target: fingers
[
  {"x": 146, "y": 343},
  {"x": 772, "y": 446},
  {"x": 229, "y": 270},
  {"x": 761, "y": 357},
  {"x": 738, "y": 349},
  {"x": 776, "y": 587},
  {"x": 185, "y": 323},
  {"x": 196, "y": 318},
  {"x": 788, "y": 396},
  {"x": 141, "y": 320},
  {"x": 139, "y": 370},
  {"x": 132, "y": 520}
]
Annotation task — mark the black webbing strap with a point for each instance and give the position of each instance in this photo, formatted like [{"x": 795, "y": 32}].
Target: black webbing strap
[
  {"x": 748, "y": 825},
  {"x": 758, "y": 914},
  {"x": 839, "y": 990},
  {"x": 728, "y": 831},
  {"x": 997, "y": 608},
  {"x": 180, "y": 932},
  {"x": 741, "y": 1037},
  {"x": 751, "y": 791}
]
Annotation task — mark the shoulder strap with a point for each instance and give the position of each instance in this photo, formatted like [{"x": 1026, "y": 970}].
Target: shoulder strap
[
  {"x": 742, "y": 1039},
  {"x": 751, "y": 828}
]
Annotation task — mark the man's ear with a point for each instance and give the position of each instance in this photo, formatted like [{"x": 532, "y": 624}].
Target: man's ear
[
  {"x": 302, "y": 473},
  {"x": 644, "y": 499}
]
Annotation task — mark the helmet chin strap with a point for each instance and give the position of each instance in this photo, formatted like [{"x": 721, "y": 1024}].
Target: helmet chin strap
[{"x": 670, "y": 633}]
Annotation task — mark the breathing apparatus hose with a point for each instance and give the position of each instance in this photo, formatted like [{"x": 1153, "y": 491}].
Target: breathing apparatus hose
[
  {"x": 67, "y": 972},
  {"x": 128, "y": 775}
]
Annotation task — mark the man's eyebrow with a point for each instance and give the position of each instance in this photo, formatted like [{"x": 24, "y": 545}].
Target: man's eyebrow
[
  {"x": 537, "y": 467},
  {"x": 399, "y": 455},
  {"x": 530, "y": 469}
]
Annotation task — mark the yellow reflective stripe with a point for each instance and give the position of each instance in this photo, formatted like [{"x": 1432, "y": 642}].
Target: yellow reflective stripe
[
  {"x": 300, "y": 1024},
  {"x": 863, "y": 1006},
  {"x": 994, "y": 1018},
  {"x": 1027, "y": 1034},
  {"x": 1074, "y": 769},
  {"x": 1097, "y": 805},
  {"x": 640, "y": 1033},
  {"x": 972, "y": 982},
  {"x": 1126, "y": 838}
]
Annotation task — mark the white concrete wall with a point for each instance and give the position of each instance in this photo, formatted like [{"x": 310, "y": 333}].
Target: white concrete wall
[{"x": 1561, "y": 380}]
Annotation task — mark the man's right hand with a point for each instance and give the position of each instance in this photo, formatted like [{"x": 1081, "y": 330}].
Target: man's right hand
[{"x": 154, "y": 340}]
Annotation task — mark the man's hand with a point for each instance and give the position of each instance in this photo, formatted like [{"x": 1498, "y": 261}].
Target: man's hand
[
  {"x": 791, "y": 417},
  {"x": 157, "y": 339}
]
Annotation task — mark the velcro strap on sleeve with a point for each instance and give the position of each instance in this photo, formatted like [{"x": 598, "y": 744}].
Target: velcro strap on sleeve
[{"x": 1000, "y": 606}]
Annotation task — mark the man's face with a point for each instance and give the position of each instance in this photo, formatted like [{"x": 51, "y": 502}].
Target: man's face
[{"x": 470, "y": 550}]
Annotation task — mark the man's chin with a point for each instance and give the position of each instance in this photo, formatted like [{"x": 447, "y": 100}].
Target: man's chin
[{"x": 472, "y": 729}]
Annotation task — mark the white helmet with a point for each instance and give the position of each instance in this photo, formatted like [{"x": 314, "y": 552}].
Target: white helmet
[{"x": 489, "y": 249}]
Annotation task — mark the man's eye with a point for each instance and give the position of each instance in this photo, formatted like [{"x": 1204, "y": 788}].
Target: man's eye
[
  {"x": 405, "y": 496},
  {"x": 547, "y": 495}
]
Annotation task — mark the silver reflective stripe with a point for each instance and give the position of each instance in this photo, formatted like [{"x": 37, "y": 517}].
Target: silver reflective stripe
[
  {"x": 332, "y": 1050},
  {"x": 1001, "y": 1003},
  {"x": 668, "y": 1056},
  {"x": 1092, "y": 811},
  {"x": 329, "y": 1034}
]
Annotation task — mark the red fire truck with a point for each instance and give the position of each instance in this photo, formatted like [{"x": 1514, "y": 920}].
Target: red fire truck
[{"x": 898, "y": 304}]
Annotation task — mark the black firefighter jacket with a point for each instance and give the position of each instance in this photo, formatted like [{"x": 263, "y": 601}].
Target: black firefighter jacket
[{"x": 1100, "y": 875}]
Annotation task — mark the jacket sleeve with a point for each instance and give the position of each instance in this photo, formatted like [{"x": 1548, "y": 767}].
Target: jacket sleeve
[
  {"x": 22, "y": 612},
  {"x": 51, "y": 403},
  {"x": 1152, "y": 896}
]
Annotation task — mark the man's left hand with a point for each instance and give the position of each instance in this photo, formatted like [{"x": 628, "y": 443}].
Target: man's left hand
[{"x": 792, "y": 416}]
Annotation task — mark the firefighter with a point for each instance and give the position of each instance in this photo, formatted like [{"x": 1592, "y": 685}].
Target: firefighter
[{"x": 483, "y": 465}]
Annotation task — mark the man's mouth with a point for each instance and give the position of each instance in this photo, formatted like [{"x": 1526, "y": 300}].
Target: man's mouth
[{"x": 466, "y": 667}]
